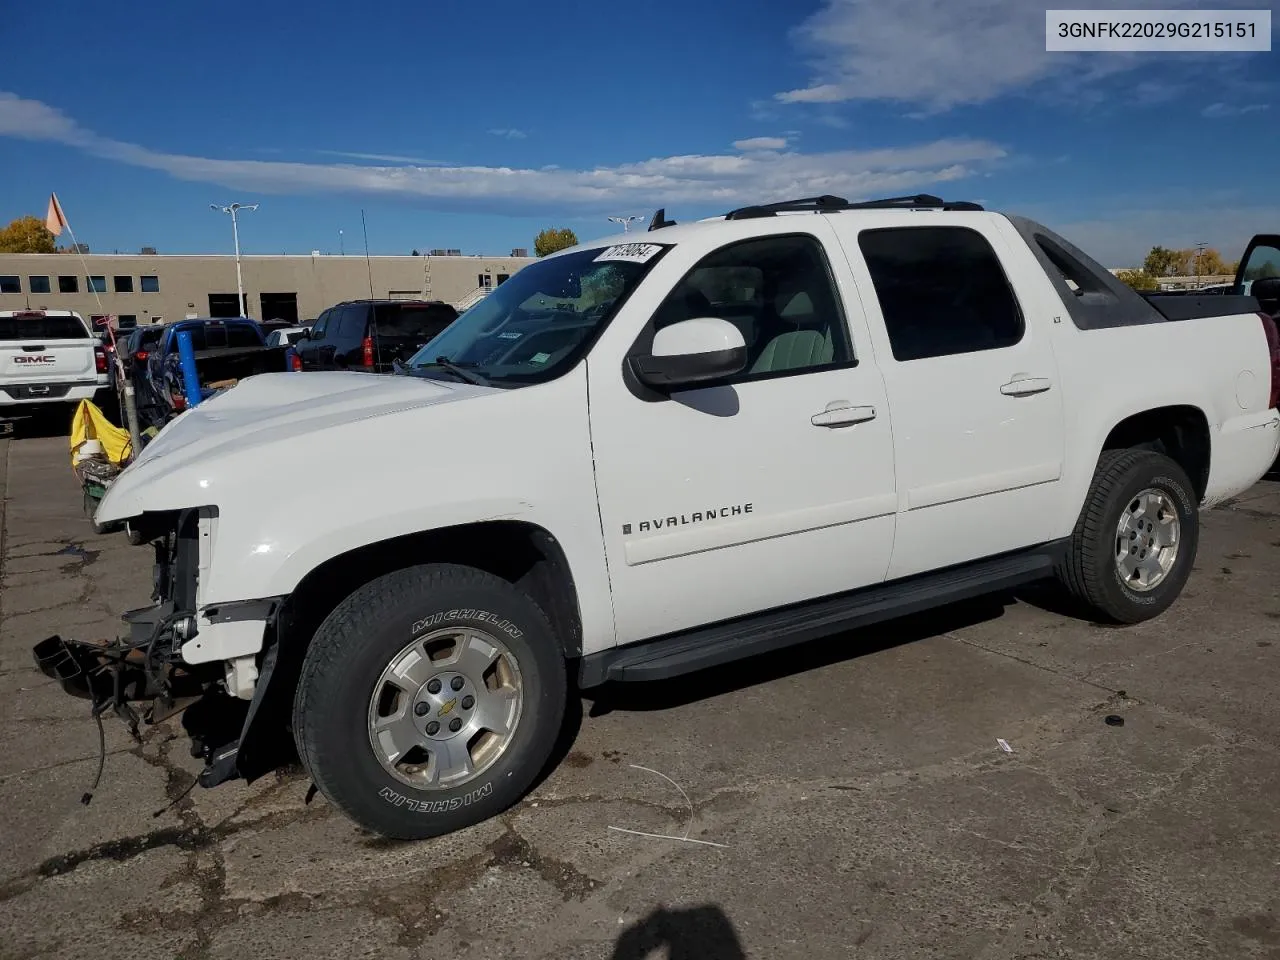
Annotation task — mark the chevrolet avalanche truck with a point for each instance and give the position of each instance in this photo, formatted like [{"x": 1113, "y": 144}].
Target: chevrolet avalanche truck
[
  {"x": 658, "y": 454},
  {"x": 48, "y": 358}
]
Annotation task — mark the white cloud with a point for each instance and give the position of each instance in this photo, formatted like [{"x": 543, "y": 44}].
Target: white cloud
[
  {"x": 941, "y": 53},
  {"x": 1217, "y": 110},
  {"x": 508, "y": 133},
  {"x": 379, "y": 157},
  {"x": 761, "y": 143},
  {"x": 704, "y": 181}
]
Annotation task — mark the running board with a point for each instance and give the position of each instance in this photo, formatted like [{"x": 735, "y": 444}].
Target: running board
[{"x": 731, "y": 640}]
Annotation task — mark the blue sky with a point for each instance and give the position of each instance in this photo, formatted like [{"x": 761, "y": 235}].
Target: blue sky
[{"x": 474, "y": 125}]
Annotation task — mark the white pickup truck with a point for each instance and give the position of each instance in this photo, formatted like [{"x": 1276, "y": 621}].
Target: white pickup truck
[
  {"x": 48, "y": 357},
  {"x": 660, "y": 453}
]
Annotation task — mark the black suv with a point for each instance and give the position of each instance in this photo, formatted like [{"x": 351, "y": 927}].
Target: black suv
[{"x": 371, "y": 335}]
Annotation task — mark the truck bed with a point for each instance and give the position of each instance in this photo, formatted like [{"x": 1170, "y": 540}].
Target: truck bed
[
  {"x": 236, "y": 363},
  {"x": 1182, "y": 306}
]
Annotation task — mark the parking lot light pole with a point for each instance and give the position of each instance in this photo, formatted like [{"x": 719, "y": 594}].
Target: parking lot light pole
[
  {"x": 625, "y": 221},
  {"x": 233, "y": 210}
]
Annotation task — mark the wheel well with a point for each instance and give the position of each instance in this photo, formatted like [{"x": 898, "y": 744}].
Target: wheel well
[
  {"x": 521, "y": 553},
  {"x": 1180, "y": 433}
]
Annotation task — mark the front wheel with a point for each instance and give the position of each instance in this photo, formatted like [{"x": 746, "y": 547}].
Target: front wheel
[
  {"x": 1135, "y": 542},
  {"x": 429, "y": 700}
]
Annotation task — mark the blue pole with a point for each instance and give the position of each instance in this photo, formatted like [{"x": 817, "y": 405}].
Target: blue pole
[{"x": 190, "y": 379}]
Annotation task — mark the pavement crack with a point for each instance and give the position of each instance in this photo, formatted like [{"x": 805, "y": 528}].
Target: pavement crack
[
  {"x": 1080, "y": 865},
  {"x": 1062, "y": 674}
]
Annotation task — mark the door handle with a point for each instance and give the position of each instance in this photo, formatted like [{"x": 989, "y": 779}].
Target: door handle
[
  {"x": 842, "y": 413},
  {"x": 1026, "y": 386}
]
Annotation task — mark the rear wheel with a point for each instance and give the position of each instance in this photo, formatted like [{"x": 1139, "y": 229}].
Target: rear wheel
[
  {"x": 429, "y": 700},
  {"x": 1135, "y": 542}
]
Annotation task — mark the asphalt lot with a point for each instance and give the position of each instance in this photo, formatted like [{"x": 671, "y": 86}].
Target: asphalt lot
[{"x": 861, "y": 802}]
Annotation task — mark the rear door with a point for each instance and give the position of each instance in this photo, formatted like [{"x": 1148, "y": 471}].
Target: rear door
[
  {"x": 348, "y": 334},
  {"x": 36, "y": 348},
  {"x": 402, "y": 329},
  {"x": 316, "y": 351},
  {"x": 973, "y": 389},
  {"x": 1261, "y": 261}
]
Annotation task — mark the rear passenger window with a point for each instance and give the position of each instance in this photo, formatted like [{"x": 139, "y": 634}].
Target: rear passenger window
[
  {"x": 942, "y": 291},
  {"x": 351, "y": 323},
  {"x": 778, "y": 291}
]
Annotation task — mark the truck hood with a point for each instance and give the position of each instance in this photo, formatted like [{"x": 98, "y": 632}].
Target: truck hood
[{"x": 260, "y": 414}]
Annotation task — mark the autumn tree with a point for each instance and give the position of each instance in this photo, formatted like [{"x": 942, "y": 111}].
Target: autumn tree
[
  {"x": 1209, "y": 263},
  {"x": 1138, "y": 279},
  {"x": 26, "y": 235},
  {"x": 552, "y": 239}
]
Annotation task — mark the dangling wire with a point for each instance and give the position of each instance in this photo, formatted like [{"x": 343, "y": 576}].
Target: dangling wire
[{"x": 102, "y": 757}]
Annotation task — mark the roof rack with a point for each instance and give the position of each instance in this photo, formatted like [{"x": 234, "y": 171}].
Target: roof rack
[{"x": 830, "y": 204}]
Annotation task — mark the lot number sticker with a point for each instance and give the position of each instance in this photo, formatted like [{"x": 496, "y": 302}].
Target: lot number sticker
[{"x": 631, "y": 252}]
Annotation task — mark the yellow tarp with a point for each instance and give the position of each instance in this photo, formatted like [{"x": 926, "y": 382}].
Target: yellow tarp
[{"x": 90, "y": 423}]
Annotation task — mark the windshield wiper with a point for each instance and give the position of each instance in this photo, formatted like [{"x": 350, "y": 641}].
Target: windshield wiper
[{"x": 444, "y": 363}]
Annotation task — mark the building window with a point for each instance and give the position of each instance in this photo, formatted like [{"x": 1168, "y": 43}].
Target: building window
[
  {"x": 10, "y": 285},
  {"x": 96, "y": 284},
  {"x": 68, "y": 285},
  {"x": 149, "y": 284},
  {"x": 38, "y": 284},
  {"x": 124, "y": 284},
  {"x": 126, "y": 321}
]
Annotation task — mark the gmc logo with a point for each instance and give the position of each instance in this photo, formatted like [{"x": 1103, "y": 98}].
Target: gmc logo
[{"x": 44, "y": 358}]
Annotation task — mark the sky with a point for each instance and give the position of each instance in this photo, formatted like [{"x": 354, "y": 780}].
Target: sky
[{"x": 473, "y": 126}]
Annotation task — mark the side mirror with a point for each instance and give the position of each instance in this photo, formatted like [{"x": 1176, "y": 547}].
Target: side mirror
[{"x": 692, "y": 352}]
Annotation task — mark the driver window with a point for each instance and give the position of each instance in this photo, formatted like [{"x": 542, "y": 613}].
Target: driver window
[
  {"x": 778, "y": 291},
  {"x": 317, "y": 329}
]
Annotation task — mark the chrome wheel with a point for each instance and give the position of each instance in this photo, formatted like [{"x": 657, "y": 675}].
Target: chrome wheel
[
  {"x": 445, "y": 708},
  {"x": 1147, "y": 540}
]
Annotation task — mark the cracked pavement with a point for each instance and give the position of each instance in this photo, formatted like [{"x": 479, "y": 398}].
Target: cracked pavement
[{"x": 861, "y": 804}]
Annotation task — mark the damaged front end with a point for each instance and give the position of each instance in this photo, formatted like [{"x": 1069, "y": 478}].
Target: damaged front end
[{"x": 157, "y": 670}]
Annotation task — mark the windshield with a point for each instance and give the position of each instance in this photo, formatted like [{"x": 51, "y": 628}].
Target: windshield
[{"x": 536, "y": 326}]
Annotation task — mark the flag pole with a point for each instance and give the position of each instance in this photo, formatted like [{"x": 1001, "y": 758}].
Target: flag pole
[{"x": 126, "y": 383}]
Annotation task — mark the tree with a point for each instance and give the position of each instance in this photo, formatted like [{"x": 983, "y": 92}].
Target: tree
[
  {"x": 552, "y": 239},
  {"x": 1159, "y": 262},
  {"x": 1138, "y": 279},
  {"x": 26, "y": 235},
  {"x": 1210, "y": 263}
]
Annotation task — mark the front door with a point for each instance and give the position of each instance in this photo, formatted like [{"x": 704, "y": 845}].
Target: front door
[
  {"x": 974, "y": 389},
  {"x": 774, "y": 487}
]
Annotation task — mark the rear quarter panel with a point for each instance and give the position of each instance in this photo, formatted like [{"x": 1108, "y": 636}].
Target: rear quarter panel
[{"x": 1218, "y": 365}]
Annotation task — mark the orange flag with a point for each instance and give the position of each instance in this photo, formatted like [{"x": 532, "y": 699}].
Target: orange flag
[{"x": 56, "y": 221}]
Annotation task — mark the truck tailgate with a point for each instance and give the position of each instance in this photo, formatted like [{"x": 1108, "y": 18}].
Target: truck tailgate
[{"x": 55, "y": 361}]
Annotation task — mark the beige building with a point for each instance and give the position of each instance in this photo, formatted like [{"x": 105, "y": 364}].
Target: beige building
[{"x": 150, "y": 288}]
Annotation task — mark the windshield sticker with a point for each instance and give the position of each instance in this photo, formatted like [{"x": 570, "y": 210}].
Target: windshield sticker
[
  {"x": 540, "y": 358},
  {"x": 510, "y": 335},
  {"x": 631, "y": 252}
]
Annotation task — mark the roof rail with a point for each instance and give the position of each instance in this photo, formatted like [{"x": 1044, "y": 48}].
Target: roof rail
[{"x": 830, "y": 204}]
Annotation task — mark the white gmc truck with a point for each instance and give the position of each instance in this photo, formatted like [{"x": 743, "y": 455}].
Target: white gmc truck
[
  {"x": 48, "y": 358},
  {"x": 657, "y": 454}
]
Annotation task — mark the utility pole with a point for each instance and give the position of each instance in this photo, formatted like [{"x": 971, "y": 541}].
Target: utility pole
[
  {"x": 233, "y": 210},
  {"x": 1199, "y": 255}
]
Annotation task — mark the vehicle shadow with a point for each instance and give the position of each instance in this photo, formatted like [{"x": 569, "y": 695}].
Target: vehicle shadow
[
  {"x": 687, "y": 933},
  {"x": 44, "y": 424},
  {"x": 812, "y": 655}
]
